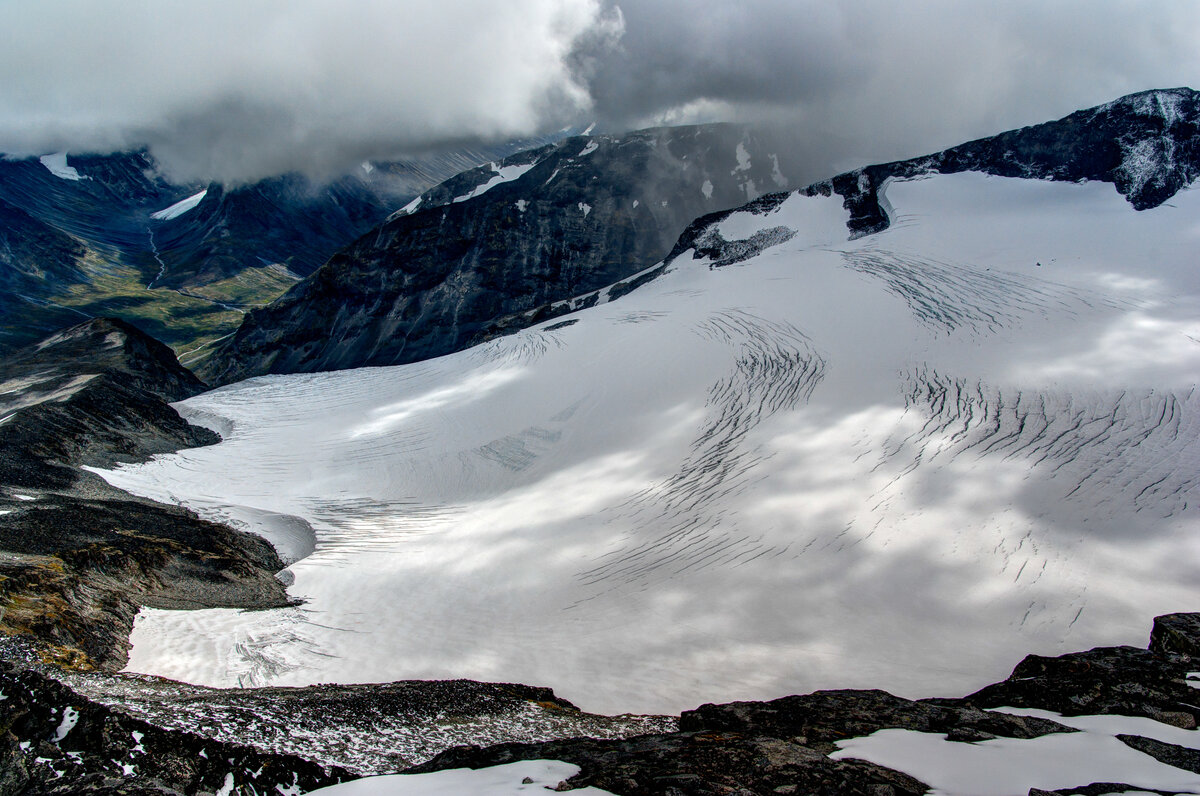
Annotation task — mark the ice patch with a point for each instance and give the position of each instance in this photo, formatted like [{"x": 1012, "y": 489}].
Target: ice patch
[
  {"x": 591, "y": 147},
  {"x": 503, "y": 175},
  {"x": 1005, "y": 766},
  {"x": 524, "y": 777},
  {"x": 57, "y": 165},
  {"x": 69, "y": 720},
  {"x": 777, "y": 175},
  {"x": 522, "y": 205},
  {"x": 585, "y": 208},
  {"x": 707, "y": 189},
  {"x": 181, "y": 207},
  {"x": 743, "y": 159}
]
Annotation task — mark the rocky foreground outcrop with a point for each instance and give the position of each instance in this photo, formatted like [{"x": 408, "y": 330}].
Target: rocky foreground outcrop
[
  {"x": 77, "y": 557},
  {"x": 781, "y": 746},
  {"x": 71, "y": 733}
]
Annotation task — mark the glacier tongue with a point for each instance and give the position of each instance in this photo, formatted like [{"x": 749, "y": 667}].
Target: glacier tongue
[{"x": 902, "y": 461}]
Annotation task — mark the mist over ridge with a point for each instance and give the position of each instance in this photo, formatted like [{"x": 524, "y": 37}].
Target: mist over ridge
[{"x": 235, "y": 92}]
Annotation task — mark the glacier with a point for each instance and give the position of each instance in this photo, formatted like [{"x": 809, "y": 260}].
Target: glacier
[{"x": 900, "y": 461}]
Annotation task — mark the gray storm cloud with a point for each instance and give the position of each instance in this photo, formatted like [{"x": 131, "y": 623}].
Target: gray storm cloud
[{"x": 238, "y": 90}]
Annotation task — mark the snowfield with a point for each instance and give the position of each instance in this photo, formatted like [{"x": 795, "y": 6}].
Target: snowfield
[{"x": 902, "y": 461}]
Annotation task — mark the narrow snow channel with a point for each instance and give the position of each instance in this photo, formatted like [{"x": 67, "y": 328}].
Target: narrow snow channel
[
  {"x": 502, "y": 175},
  {"x": 903, "y": 461},
  {"x": 180, "y": 207}
]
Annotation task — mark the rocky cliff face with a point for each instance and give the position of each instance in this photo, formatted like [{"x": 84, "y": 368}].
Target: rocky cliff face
[
  {"x": 79, "y": 557},
  {"x": 501, "y": 239}
]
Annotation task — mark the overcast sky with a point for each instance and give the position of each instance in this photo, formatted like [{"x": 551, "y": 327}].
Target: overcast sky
[{"x": 238, "y": 89}]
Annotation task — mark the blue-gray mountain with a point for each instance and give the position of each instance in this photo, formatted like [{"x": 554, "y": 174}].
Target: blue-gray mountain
[{"x": 79, "y": 238}]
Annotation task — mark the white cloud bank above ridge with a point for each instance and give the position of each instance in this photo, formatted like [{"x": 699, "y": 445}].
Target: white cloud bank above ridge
[{"x": 236, "y": 90}]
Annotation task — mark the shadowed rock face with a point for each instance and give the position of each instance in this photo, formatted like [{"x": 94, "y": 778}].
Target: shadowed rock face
[
  {"x": 92, "y": 394},
  {"x": 80, "y": 557},
  {"x": 502, "y": 239},
  {"x": 98, "y": 245}
]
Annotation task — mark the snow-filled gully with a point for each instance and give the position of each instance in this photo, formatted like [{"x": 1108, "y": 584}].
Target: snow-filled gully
[{"x": 902, "y": 461}]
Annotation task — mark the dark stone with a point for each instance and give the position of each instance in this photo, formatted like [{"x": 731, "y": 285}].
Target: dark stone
[
  {"x": 1177, "y": 634},
  {"x": 1169, "y": 753},
  {"x": 823, "y": 717},
  {"x": 83, "y": 556},
  {"x": 101, "y": 750},
  {"x": 1118, "y": 680}
]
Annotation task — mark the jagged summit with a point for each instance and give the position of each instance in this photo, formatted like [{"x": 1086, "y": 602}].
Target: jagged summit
[{"x": 1146, "y": 144}]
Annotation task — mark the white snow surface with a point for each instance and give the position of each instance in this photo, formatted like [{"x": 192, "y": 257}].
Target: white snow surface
[
  {"x": 903, "y": 461},
  {"x": 1012, "y": 766},
  {"x": 409, "y": 208},
  {"x": 504, "y": 780},
  {"x": 69, "y": 720},
  {"x": 57, "y": 165},
  {"x": 502, "y": 175},
  {"x": 180, "y": 207}
]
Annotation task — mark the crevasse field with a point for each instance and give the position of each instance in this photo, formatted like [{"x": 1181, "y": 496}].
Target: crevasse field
[{"x": 902, "y": 461}]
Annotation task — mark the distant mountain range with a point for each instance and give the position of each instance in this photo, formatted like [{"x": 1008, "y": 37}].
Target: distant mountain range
[{"x": 94, "y": 235}]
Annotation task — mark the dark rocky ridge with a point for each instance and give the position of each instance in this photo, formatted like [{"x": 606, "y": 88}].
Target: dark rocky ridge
[
  {"x": 77, "y": 557},
  {"x": 1146, "y": 144},
  {"x": 588, "y": 211}
]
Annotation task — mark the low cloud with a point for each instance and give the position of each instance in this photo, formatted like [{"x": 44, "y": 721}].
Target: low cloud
[{"x": 238, "y": 90}]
